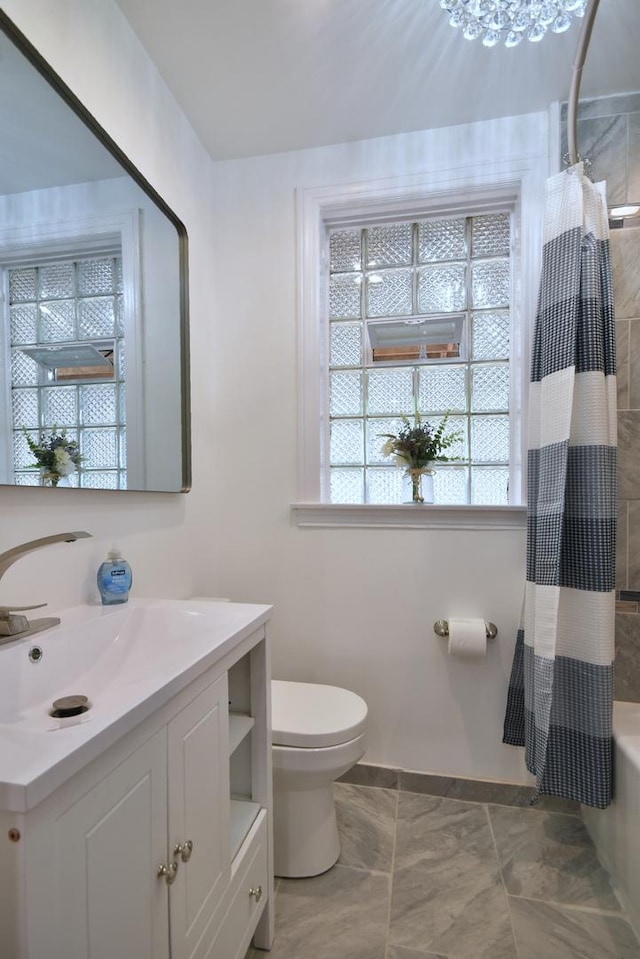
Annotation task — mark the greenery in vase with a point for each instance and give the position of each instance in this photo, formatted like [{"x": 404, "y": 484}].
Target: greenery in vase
[
  {"x": 55, "y": 454},
  {"x": 415, "y": 446}
]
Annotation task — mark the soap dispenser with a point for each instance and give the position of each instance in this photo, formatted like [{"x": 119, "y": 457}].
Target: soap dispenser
[{"x": 114, "y": 579}]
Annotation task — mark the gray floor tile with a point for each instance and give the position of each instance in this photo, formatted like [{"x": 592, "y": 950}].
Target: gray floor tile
[
  {"x": 547, "y": 931},
  {"x": 546, "y": 855},
  {"x": 447, "y": 895},
  {"x": 483, "y": 791},
  {"x": 399, "y": 952},
  {"x": 552, "y": 804},
  {"x": 342, "y": 913},
  {"x": 363, "y": 774},
  {"x": 468, "y": 790},
  {"x": 366, "y": 823}
]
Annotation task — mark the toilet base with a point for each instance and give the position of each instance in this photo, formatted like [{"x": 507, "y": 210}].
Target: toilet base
[{"x": 305, "y": 831}]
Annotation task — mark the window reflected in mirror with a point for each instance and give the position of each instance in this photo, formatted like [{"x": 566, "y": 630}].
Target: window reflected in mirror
[
  {"x": 93, "y": 296},
  {"x": 67, "y": 364}
]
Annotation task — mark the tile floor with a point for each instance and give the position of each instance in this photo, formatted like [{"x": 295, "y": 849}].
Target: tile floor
[{"x": 429, "y": 877}]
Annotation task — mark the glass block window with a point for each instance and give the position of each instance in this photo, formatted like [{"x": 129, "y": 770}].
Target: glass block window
[
  {"x": 405, "y": 272},
  {"x": 60, "y": 308}
]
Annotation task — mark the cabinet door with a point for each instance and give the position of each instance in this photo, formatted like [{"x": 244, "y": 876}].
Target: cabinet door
[
  {"x": 95, "y": 876},
  {"x": 199, "y": 813}
]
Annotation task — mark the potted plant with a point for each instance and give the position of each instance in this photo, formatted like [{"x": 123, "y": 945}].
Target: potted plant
[{"x": 415, "y": 447}]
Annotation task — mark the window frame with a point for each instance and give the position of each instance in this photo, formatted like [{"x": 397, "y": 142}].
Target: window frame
[
  {"x": 517, "y": 184},
  {"x": 464, "y": 363}
]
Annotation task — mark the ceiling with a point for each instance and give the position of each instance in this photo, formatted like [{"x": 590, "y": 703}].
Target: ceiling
[{"x": 265, "y": 76}]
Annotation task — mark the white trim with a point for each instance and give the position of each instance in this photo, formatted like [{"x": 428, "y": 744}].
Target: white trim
[
  {"x": 409, "y": 516},
  {"x": 90, "y": 234},
  {"x": 6, "y": 422},
  {"x": 519, "y": 182},
  {"x": 555, "y": 139},
  {"x": 134, "y": 352}
]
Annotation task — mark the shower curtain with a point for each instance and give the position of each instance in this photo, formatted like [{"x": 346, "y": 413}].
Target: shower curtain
[{"x": 560, "y": 696}]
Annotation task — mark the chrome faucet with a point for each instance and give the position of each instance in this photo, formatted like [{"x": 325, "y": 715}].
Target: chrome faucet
[{"x": 12, "y": 624}]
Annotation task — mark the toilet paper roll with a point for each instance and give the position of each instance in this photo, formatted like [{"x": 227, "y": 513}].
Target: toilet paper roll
[{"x": 468, "y": 639}]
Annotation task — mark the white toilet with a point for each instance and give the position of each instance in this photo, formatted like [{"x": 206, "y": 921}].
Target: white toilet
[{"x": 319, "y": 732}]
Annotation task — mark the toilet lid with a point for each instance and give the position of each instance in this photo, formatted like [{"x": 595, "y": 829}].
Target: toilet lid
[{"x": 307, "y": 714}]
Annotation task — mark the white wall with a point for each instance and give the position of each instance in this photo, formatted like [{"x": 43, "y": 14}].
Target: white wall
[
  {"x": 94, "y": 50},
  {"x": 353, "y": 607}
]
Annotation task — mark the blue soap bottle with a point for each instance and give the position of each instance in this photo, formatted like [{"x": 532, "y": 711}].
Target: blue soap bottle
[{"x": 114, "y": 579}]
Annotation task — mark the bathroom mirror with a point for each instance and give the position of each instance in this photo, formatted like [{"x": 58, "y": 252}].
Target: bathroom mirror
[{"x": 93, "y": 283}]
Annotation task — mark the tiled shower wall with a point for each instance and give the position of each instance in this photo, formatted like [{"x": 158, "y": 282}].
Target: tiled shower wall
[
  {"x": 625, "y": 250},
  {"x": 609, "y": 135}
]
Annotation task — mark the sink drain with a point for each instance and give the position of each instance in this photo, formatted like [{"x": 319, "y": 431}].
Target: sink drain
[{"x": 69, "y": 706}]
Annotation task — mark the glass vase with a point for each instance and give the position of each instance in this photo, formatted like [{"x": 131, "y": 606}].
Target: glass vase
[
  {"x": 418, "y": 485},
  {"x": 50, "y": 478}
]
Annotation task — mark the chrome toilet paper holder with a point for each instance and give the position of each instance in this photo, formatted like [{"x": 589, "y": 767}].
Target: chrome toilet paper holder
[{"x": 441, "y": 628}]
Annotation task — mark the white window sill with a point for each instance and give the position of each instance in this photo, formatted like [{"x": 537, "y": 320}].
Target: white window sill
[{"x": 409, "y": 516}]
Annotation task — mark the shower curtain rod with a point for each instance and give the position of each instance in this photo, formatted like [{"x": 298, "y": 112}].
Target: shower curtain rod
[{"x": 574, "y": 93}]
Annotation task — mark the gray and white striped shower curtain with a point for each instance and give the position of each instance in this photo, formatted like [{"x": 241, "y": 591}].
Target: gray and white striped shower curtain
[{"x": 561, "y": 689}]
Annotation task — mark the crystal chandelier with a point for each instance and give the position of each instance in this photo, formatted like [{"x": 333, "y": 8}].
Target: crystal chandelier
[{"x": 511, "y": 20}]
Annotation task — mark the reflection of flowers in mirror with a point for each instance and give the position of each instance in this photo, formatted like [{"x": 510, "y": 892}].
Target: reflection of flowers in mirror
[{"x": 55, "y": 454}]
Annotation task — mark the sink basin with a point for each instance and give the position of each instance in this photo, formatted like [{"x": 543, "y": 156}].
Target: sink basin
[
  {"x": 97, "y": 651},
  {"x": 127, "y": 660}
]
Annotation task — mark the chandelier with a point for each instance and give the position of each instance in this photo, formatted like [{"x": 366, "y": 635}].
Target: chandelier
[{"x": 511, "y": 21}]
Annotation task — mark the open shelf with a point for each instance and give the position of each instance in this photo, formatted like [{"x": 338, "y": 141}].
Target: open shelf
[
  {"x": 240, "y": 725},
  {"x": 243, "y": 816}
]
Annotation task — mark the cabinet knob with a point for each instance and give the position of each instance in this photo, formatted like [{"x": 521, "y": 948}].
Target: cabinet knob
[
  {"x": 184, "y": 850},
  {"x": 256, "y": 893},
  {"x": 168, "y": 872}
]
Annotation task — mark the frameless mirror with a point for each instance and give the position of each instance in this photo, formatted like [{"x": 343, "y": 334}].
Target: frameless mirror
[{"x": 93, "y": 290}]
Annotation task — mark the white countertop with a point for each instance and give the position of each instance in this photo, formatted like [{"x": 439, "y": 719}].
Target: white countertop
[{"x": 129, "y": 660}]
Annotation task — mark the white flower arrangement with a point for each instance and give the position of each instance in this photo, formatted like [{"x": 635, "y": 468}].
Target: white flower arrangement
[{"x": 56, "y": 455}]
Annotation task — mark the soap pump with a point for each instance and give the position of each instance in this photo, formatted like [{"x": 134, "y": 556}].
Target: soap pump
[{"x": 114, "y": 579}]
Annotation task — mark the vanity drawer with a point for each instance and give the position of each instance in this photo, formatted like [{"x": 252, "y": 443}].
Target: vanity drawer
[{"x": 241, "y": 917}]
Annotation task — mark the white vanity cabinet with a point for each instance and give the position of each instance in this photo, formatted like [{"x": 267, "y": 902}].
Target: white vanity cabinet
[
  {"x": 91, "y": 861},
  {"x": 198, "y": 785},
  {"x": 145, "y": 853}
]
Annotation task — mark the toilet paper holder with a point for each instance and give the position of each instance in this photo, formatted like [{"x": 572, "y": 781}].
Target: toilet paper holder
[{"x": 441, "y": 628}]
